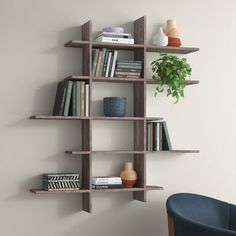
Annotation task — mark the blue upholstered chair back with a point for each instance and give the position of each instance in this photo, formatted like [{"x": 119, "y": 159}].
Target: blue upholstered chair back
[{"x": 200, "y": 209}]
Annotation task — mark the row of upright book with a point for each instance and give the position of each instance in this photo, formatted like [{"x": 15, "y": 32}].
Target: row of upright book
[
  {"x": 72, "y": 99},
  {"x": 157, "y": 136},
  {"x": 106, "y": 64},
  {"x": 62, "y": 181}
]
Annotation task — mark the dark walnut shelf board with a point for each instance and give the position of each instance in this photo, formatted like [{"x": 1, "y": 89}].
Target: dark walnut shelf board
[
  {"x": 124, "y": 152},
  {"x": 39, "y": 117},
  {"x": 187, "y": 82},
  {"x": 174, "y": 151},
  {"x": 167, "y": 49},
  {"x": 121, "y": 46},
  {"x": 135, "y": 189}
]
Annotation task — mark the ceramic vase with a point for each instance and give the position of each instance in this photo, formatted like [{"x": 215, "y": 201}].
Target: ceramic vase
[
  {"x": 160, "y": 39},
  {"x": 128, "y": 175},
  {"x": 173, "y": 34}
]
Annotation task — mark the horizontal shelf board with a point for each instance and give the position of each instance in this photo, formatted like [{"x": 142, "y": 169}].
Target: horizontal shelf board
[
  {"x": 119, "y": 152},
  {"x": 175, "y": 151},
  {"x": 188, "y": 82},
  {"x": 77, "y": 44},
  {"x": 119, "y": 46},
  {"x": 135, "y": 189},
  {"x": 39, "y": 117},
  {"x": 126, "y": 118},
  {"x": 77, "y": 77},
  {"x": 167, "y": 49},
  {"x": 40, "y": 190},
  {"x": 117, "y": 80}
]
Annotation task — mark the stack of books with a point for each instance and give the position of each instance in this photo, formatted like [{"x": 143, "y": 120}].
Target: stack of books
[
  {"x": 157, "y": 136},
  {"x": 62, "y": 181},
  {"x": 72, "y": 99},
  {"x": 128, "y": 69},
  {"x": 115, "y": 37},
  {"x": 106, "y": 182},
  {"x": 104, "y": 62}
]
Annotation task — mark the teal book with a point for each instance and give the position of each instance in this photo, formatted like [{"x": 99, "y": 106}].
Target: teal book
[
  {"x": 95, "y": 60},
  {"x": 166, "y": 144},
  {"x": 102, "y": 61},
  {"x": 77, "y": 98},
  {"x": 67, "y": 97},
  {"x": 105, "y": 64}
]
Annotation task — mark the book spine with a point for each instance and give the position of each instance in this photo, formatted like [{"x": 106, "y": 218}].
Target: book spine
[
  {"x": 105, "y": 64},
  {"x": 107, "y": 182},
  {"x": 58, "y": 99},
  {"x": 87, "y": 100},
  {"x": 99, "y": 63},
  {"x": 127, "y": 73},
  {"x": 77, "y": 97},
  {"x": 165, "y": 137},
  {"x": 109, "y": 34},
  {"x": 102, "y": 61},
  {"x": 114, "y": 63},
  {"x": 106, "y": 178},
  {"x": 160, "y": 136},
  {"x": 74, "y": 99},
  {"x": 115, "y": 40},
  {"x": 82, "y": 98},
  {"x": 128, "y": 70},
  {"x": 155, "y": 146},
  {"x": 68, "y": 97},
  {"x": 107, "y": 186},
  {"x": 108, "y": 64},
  {"x": 95, "y": 60}
]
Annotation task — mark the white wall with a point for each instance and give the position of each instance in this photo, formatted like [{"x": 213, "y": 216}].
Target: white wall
[{"x": 33, "y": 60}]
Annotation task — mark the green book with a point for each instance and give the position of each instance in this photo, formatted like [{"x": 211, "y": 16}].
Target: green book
[
  {"x": 77, "y": 98},
  {"x": 102, "y": 62},
  {"x": 95, "y": 60},
  {"x": 105, "y": 64},
  {"x": 68, "y": 97},
  {"x": 166, "y": 144}
]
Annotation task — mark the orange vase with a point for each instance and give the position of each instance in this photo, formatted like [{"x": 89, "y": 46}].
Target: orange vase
[{"x": 128, "y": 175}]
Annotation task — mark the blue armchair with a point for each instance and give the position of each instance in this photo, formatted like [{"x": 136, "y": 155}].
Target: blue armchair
[{"x": 196, "y": 215}]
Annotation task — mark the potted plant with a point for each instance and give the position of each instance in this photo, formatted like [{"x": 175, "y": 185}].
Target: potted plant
[{"x": 171, "y": 72}]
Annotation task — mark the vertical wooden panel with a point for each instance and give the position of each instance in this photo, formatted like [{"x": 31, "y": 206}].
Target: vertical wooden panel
[
  {"x": 86, "y": 202},
  {"x": 140, "y": 168},
  {"x": 87, "y": 50},
  {"x": 139, "y": 99},
  {"x": 139, "y": 135},
  {"x": 171, "y": 226},
  {"x": 140, "y": 30}
]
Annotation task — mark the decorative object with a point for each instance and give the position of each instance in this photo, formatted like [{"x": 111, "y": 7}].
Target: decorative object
[
  {"x": 173, "y": 34},
  {"x": 114, "y": 106},
  {"x": 128, "y": 175},
  {"x": 114, "y": 29},
  {"x": 171, "y": 71},
  {"x": 160, "y": 39}
]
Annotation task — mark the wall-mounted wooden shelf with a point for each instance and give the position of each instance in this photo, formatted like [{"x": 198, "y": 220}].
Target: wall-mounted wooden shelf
[
  {"x": 139, "y": 119},
  {"x": 119, "y": 46},
  {"x": 147, "y": 188}
]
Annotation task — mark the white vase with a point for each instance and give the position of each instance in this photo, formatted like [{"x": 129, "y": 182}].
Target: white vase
[{"x": 160, "y": 39}]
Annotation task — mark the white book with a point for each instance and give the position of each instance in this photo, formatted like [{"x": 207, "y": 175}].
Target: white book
[
  {"x": 105, "y": 178},
  {"x": 113, "y": 34},
  {"x": 114, "y": 63},
  {"x": 86, "y": 100},
  {"x": 108, "y": 64},
  {"x": 106, "y": 182},
  {"x": 114, "y": 40}
]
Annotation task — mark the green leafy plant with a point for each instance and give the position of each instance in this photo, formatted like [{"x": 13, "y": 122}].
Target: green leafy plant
[{"x": 171, "y": 72}]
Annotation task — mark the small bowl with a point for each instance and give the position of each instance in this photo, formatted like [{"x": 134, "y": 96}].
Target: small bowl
[{"x": 114, "y": 29}]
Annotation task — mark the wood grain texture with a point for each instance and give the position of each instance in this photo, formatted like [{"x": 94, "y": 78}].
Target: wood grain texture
[
  {"x": 140, "y": 168},
  {"x": 86, "y": 202},
  {"x": 187, "y": 82},
  {"x": 76, "y": 44},
  {"x": 171, "y": 227},
  {"x": 39, "y": 117},
  {"x": 43, "y": 191},
  {"x": 139, "y": 100},
  {"x": 168, "y": 49},
  {"x": 139, "y": 136},
  {"x": 87, "y": 31},
  {"x": 117, "y": 46},
  {"x": 140, "y": 30},
  {"x": 174, "y": 151}
]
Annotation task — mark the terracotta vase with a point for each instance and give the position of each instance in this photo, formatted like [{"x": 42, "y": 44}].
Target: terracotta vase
[
  {"x": 128, "y": 175},
  {"x": 160, "y": 39},
  {"x": 173, "y": 34}
]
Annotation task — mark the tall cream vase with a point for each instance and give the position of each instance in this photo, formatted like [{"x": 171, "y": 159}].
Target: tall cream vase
[
  {"x": 128, "y": 175},
  {"x": 170, "y": 25}
]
